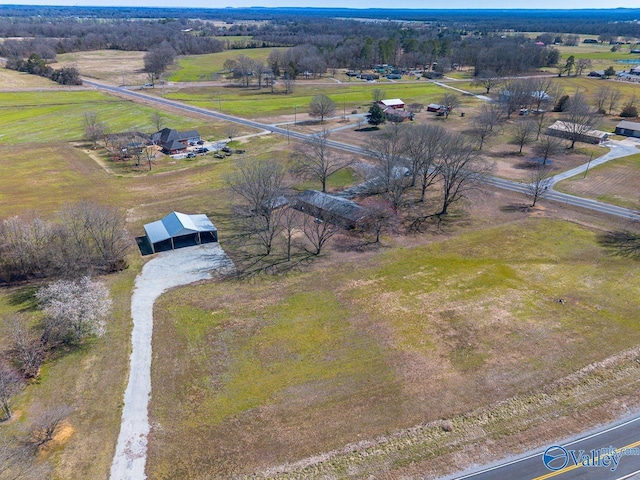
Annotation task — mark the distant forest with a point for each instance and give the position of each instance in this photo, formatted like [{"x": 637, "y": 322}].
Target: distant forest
[{"x": 320, "y": 39}]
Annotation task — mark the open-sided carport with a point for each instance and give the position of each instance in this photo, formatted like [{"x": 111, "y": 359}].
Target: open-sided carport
[{"x": 178, "y": 230}]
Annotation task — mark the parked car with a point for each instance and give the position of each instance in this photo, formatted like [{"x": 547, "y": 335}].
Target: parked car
[
  {"x": 200, "y": 142},
  {"x": 238, "y": 151},
  {"x": 191, "y": 155},
  {"x": 226, "y": 149},
  {"x": 218, "y": 155},
  {"x": 146, "y": 85}
]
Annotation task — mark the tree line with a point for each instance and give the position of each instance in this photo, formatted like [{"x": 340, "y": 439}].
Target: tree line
[{"x": 35, "y": 65}]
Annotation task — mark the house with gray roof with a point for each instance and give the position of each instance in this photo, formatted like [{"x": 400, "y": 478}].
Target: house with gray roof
[
  {"x": 628, "y": 129},
  {"x": 330, "y": 208},
  {"x": 172, "y": 141}
]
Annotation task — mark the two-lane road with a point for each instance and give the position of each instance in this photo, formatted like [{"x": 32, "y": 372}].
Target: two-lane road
[
  {"x": 621, "y": 435},
  {"x": 494, "y": 181}
]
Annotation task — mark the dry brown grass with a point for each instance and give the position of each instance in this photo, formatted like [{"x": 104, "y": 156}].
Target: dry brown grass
[
  {"x": 11, "y": 80},
  {"x": 112, "y": 66}
]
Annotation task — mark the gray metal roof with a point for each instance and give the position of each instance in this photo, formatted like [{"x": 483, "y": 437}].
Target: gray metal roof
[
  {"x": 177, "y": 224},
  {"x": 627, "y": 125},
  {"x": 334, "y": 205}
]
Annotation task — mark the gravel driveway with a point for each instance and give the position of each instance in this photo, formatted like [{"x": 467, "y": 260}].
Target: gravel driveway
[{"x": 167, "y": 270}]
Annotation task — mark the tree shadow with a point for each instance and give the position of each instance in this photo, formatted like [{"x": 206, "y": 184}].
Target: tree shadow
[
  {"x": 515, "y": 208},
  {"x": 622, "y": 243},
  {"x": 24, "y": 297}
]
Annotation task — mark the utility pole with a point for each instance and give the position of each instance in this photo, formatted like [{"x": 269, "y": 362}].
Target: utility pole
[
  {"x": 295, "y": 114},
  {"x": 588, "y": 163}
]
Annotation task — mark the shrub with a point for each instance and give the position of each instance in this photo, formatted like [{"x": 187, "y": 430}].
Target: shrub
[{"x": 630, "y": 111}]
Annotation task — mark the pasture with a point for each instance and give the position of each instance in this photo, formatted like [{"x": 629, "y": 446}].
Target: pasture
[{"x": 274, "y": 370}]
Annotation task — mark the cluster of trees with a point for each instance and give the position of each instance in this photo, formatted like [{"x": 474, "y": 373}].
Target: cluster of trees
[
  {"x": 36, "y": 65},
  {"x": 69, "y": 313},
  {"x": 84, "y": 238}
]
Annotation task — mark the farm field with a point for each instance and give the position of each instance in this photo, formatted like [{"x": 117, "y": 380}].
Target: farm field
[
  {"x": 252, "y": 371},
  {"x": 12, "y": 80},
  {"x": 114, "y": 66},
  {"x": 255, "y": 104},
  {"x": 60, "y": 115},
  {"x": 615, "y": 182},
  {"x": 198, "y": 68}
]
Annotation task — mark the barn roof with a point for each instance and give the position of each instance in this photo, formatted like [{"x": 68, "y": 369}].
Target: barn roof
[
  {"x": 338, "y": 206},
  {"x": 177, "y": 224}
]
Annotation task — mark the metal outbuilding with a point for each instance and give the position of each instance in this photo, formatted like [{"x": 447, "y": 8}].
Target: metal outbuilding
[{"x": 178, "y": 230}]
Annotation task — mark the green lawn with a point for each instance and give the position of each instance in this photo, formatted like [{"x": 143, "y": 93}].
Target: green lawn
[{"x": 266, "y": 372}]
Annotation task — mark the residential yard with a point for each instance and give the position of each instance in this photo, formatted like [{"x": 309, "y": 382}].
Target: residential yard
[
  {"x": 271, "y": 371},
  {"x": 615, "y": 182}
]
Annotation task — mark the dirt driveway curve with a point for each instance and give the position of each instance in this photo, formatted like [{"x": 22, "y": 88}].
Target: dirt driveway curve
[{"x": 167, "y": 270}]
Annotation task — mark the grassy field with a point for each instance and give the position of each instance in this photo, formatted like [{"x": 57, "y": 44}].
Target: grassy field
[
  {"x": 253, "y": 103},
  {"x": 116, "y": 66},
  {"x": 12, "y": 80},
  {"x": 274, "y": 370},
  {"x": 198, "y": 68},
  {"x": 600, "y": 55},
  {"x": 615, "y": 182},
  {"x": 28, "y": 117}
]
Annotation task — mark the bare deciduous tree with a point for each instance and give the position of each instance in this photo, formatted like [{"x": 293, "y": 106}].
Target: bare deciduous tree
[
  {"x": 523, "y": 132},
  {"x": 316, "y": 160},
  {"x": 74, "y": 310},
  {"x": 539, "y": 182},
  {"x": 548, "y": 147},
  {"x": 377, "y": 95},
  {"x": 422, "y": 145},
  {"x": 10, "y": 384},
  {"x": 259, "y": 188},
  {"x": 460, "y": 169},
  {"x": 97, "y": 236},
  {"x": 157, "y": 59},
  {"x": 26, "y": 349},
  {"x": 24, "y": 247},
  {"x": 578, "y": 118},
  {"x": 449, "y": 101},
  {"x": 93, "y": 128},
  {"x": 487, "y": 79},
  {"x": 157, "y": 120},
  {"x": 615, "y": 96},
  {"x": 318, "y": 231},
  {"x": 321, "y": 107},
  {"x": 582, "y": 64},
  {"x": 289, "y": 82},
  {"x": 391, "y": 170},
  {"x": 487, "y": 123},
  {"x": 46, "y": 425}
]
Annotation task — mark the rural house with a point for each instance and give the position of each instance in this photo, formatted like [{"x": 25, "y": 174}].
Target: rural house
[
  {"x": 329, "y": 208},
  {"x": 172, "y": 141},
  {"x": 392, "y": 103},
  {"x": 565, "y": 130},
  {"x": 178, "y": 230},
  {"x": 628, "y": 129}
]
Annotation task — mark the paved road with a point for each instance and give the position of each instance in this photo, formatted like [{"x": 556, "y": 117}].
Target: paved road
[
  {"x": 494, "y": 181},
  {"x": 621, "y": 435}
]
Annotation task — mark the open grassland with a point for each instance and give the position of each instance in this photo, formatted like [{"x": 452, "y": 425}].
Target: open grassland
[
  {"x": 600, "y": 55},
  {"x": 262, "y": 103},
  {"x": 27, "y": 117},
  {"x": 273, "y": 370},
  {"x": 615, "y": 182},
  {"x": 114, "y": 66},
  {"x": 12, "y": 80},
  {"x": 198, "y": 68}
]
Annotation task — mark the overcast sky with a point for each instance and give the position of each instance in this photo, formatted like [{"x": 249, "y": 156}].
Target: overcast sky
[{"x": 426, "y": 4}]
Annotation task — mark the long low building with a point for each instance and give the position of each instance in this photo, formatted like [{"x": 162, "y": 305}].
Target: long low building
[
  {"x": 566, "y": 130},
  {"x": 628, "y": 129},
  {"x": 178, "y": 230},
  {"x": 336, "y": 210}
]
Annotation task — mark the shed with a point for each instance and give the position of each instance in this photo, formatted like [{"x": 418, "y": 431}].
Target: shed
[
  {"x": 329, "y": 208},
  {"x": 434, "y": 107},
  {"x": 178, "y": 230},
  {"x": 628, "y": 129}
]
